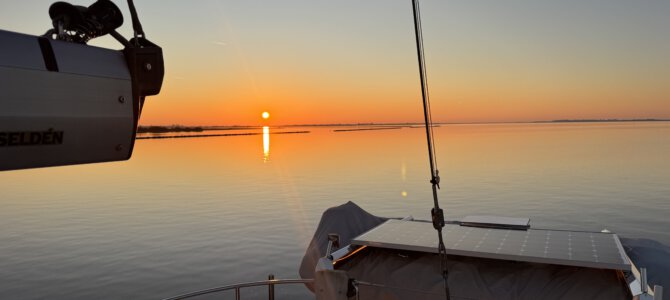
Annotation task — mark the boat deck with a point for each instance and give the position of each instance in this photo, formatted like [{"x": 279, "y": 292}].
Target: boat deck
[{"x": 559, "y": 247}]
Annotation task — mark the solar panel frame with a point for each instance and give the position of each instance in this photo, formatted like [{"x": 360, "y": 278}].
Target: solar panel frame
[
  {"x": 496, "y": 222},
  {"x": 560, "y": 247}
]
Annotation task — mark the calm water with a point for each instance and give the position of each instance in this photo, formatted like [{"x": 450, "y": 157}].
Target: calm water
[{"x": 188, "y": 214}]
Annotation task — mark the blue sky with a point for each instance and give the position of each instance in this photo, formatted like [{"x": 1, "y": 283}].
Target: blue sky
[{"x": 487, "y": 60}]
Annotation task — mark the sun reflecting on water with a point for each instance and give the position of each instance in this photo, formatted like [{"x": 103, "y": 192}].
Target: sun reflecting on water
[{"x": 266, "y": 143}]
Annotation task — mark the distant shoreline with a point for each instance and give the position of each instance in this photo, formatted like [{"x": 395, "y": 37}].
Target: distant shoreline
[
  {"x": 166, "y": 129},
  {"x": 602, "y": 120},
  {"x": 373, "y": 126},
  {"x": 369, "y": 128},
  {"x": 213, "y": 135}
]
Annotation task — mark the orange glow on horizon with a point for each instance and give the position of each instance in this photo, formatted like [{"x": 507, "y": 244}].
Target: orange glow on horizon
[{"x": 486, "y": 61}]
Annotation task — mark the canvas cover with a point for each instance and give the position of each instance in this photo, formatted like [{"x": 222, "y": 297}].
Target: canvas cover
[
  {"x": 348, "y": 220},
  {"x": 653, "y": 256},
  {"x": 412, "y": 275}
]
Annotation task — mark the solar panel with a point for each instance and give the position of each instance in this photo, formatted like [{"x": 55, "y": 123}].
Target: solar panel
[{"x": 572, "y": 248}]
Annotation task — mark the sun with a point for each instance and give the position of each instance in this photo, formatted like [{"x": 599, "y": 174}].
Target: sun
[{"x": 265, "y": 115}]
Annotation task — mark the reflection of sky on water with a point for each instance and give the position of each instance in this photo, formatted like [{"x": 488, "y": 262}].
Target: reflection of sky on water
[{"x": 184, "y": 214}]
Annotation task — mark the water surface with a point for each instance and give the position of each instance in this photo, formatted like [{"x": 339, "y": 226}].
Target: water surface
[{"x": 193, "y": 213}]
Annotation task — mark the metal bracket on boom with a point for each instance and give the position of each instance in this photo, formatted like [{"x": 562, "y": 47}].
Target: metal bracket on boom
[{"x": 66, "y": 102}]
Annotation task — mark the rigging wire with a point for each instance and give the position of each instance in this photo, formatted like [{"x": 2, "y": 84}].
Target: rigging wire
[
  {"x": 423, "y": 71},
  {"x": 436, "y": 213},
  {"x": 137, "y": 26}
]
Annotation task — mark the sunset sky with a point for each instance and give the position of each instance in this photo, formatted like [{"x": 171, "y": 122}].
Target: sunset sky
[{"x": 346, "y": 61}]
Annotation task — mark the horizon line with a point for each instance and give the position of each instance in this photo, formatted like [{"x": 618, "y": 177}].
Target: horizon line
[{"x": 422, "y": 123}]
